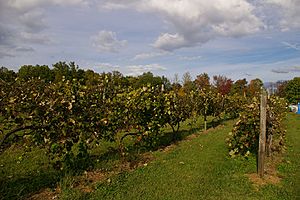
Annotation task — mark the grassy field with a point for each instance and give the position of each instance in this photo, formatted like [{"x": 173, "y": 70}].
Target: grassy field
[{"x": 198, "y": 167}]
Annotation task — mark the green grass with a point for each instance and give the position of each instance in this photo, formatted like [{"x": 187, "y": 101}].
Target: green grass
[
  {"x": 200, "y": 169},
  {"x": 22, "y": 174},
  {"x": 195, "y": 168},
  {"x": 290, "y": 167}
]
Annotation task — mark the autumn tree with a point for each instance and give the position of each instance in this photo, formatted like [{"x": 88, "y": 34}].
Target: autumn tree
[
  {"x": 281, "y": 88},
  {"x": 202, "y": 81},
  {"x": 222, "y": 84},
  {"x": 254, "y": 87}
]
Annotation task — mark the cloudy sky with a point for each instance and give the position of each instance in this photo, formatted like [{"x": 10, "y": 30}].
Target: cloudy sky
[{"x": 237, "y": 38}]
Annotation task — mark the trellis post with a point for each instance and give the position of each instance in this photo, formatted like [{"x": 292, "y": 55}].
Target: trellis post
[{"x": 262, "y": 135}]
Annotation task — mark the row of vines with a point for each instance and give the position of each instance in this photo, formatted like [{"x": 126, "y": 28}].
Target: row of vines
[
  {"x": 244, "y": 138},
  {"x": 69, "y": 118}
]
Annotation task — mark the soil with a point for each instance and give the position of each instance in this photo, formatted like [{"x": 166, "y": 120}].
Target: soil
[{"x": 271, "y": 175}]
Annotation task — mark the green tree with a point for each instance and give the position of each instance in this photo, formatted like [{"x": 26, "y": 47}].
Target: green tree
[
  {"x": 148, "y": 78},
  {"x": 292, "y": 90},
  {"x": 43, "y": 72},
  {"x": 62, "y": 70},
  {"x": 239, "y": 87},
  {"x": 187, "y": 82},
  {"x": 7, "y": 75}
]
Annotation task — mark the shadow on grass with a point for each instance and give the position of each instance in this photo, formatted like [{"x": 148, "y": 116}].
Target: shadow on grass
[
  {"x": 24, "y": 186},
  {"x": 163, "y": 140},
  {"x": 21, "y": 187},
  {"x": 171, "y": 137}
]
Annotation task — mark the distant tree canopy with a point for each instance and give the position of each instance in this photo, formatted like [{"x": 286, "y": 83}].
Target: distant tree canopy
[
  {"x": 219, "y": 83},
  {"x": 188, "y": 84},
  {"x": 281, "y": 88},
  {"x": 27, "y": 72},
  {"x": 202, "y": 81},
  {"x": 292, "y": 90},
  {"x": 254, "y": 87},
  {"x": 239, "y": 87},
  {"x": 148, "y": 78},
  {"x": 7, "y": 75},
  {"x": 222, "y": 84},
  {"x": 67, "y": 71}
]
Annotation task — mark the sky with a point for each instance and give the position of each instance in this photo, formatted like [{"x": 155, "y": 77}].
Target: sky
[{"x": 236, "y": 38}]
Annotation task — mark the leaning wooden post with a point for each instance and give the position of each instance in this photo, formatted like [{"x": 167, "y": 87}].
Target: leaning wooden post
[{"x": 262, "y": 135}]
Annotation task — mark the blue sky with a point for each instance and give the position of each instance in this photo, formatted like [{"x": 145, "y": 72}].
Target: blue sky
[{"x": 237, "y": 38}]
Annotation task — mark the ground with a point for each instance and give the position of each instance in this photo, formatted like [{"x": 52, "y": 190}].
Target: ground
[{"x": 197, "y": 167}]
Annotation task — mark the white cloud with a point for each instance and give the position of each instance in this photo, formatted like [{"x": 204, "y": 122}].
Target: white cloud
[
  {"x": 144, "y": 56},
  {"x": 291, "y": 46},
  {"x": 135, "y": 70},
  {"x": 24, "y": 49},
  {"x": 118, "y": 4},
  {"x": 23, "y": 23},
  {"x": 190, "y": 58},
  {"x": 169, "y": 42},
  {"x": 106, "y": 66},
  {"x": 290, "y": 13},
  {"x": 24, "y": 5},
  {"x": 194, "y": 22},
  {"x": 5, "y": 53},
  {"x": 33, "y": 21},
  {"x": 106, "y": 41},
  {"x": 36, "y": 38}
]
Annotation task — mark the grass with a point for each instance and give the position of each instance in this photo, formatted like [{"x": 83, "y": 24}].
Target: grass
[
  {"x": 197, "y": 167},
  {"x": 22, "y": 174},
  {"x": 200, "y": 169}
]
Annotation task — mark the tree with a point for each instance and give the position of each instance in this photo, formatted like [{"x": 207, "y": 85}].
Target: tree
[
  {"x": 62, "y": 71},
  {"x": 148, "y": 78},
  {"x": 176, "y": 83},
  {"x": 7, "y": 75},
  {"x": 293, "y": 90},
  {"x": 222, "y": 84},
  {"x": 281, "y": 88},
  {"x": 202, "y": 81},
  {"x": 43, "y": 72},
  {"x": 254, "y": 87},
  {"x": 166, "y": 82},
  {"x": 239, "y": 87},
  {"x": 188, "y": 84},
  {"x": 91, "y": 78}
]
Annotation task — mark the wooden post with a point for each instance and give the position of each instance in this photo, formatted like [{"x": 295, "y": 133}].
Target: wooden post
[{"x": 262, "y": 135}]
